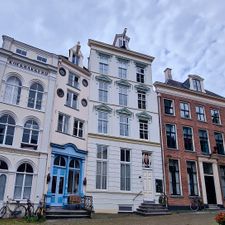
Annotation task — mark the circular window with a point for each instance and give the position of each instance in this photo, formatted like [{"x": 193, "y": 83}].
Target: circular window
[
  {"x": 85, "y": 82},
  {"x": 62, "y": 71},
  {"x": 84, "y": 102},
  {"x": 60, "y": 92}
]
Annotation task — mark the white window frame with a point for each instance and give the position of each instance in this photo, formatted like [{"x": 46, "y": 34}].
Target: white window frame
[
  {"x": 35, "y": 97},
  {"x": 189, "y": 110},
  {"x": 122, "y": 69},
  {"x": 142, "y": 98},
  {"x": 127, "y": 165},
  {"x": 72, "y": 80},
  {"x": 198, "y": 112},
  {"x": 104, "y": 64},
  {"x": 123, "y": 95},
  {"x": 124, "y": 125},
  {"x": 144, "y": 129},
  {"x": 103, "y": 91},
  {"x": 102, "y": 161},
  {"x": 173, "y": 107},
  {"x": 65, "y": 123},
  {"x": 80, "y": 127},
  {"x": 140, "y": 73},
  {"x": 70, "y": 102},
  {"x": 213, "y": 110},
  {"x": 103, "y": 122},
  {"x": 196, "y": 85}
]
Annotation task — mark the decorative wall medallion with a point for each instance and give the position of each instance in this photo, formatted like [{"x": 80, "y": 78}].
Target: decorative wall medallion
[
  {"x": 84, "y": 102},
  {"x": 62, "y": 71},
  {"x": 60, "y": 92},
  {"x": 85, "y": 82}
]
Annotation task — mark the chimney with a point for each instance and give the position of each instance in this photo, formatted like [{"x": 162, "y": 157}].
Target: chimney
[{"x": 168, "y": 74}]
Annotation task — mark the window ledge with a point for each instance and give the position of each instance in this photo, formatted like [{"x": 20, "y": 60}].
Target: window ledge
[
  {"x": 185, "y": 118},
  {"x": 82, "y": 138},
  {"x": 217, "y": 124},
  {"x": 189, "y": 151},
  {"x": 176, "y": 196},
  {"x": 170, "y": 115},
  {"x": 58, "y": 131},
  {"x": 71, "y": 107},
  {"x": 172, "y": 149},
  {"x": 77, "y": 88}
]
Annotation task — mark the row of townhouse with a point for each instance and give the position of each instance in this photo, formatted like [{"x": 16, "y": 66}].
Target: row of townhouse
[{"x": 67, "y": 131}]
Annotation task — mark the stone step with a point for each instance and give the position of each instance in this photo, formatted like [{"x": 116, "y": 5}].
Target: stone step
[
  {"x": 153, "y": 213},
  {"x": 152, "y": 206},
  {"x": 66, "y": 212},
  {"x": 152, "y": 210},
  {"x": 65, "y": 216}
]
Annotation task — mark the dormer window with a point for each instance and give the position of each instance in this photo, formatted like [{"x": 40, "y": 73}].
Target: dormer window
[
  {"x": 122, "y": 43},
  {"x": 196, "y": 85},
  {"x": 21, "y": 52}
]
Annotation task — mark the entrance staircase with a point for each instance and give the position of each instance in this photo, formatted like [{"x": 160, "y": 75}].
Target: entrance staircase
[
  {"x": 61, "y": 213},
  {"x": 150, "y": 208}
]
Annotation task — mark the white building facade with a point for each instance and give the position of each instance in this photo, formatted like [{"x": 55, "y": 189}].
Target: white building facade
[
  {"x": 68, "y": 142},
  {"x": 124, "y": 164},
  {"x": 27, "y": 83}
]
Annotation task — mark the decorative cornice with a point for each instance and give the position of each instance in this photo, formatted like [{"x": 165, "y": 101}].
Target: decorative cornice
[
  {"x": 103, "y": 107},
  {"x": 144, "y": 115},
  {"x": 123, "y": 82},
  {"x": 140, "y": 64},
  {"x": 68, "y": 145},
  {"x": 105, "y": 54},
  {"x": 123, "y": 59},
  {"x": 142, "y": 87},
  {"x": 124, "y": 111},
  {"x": 103, "y": 78}
]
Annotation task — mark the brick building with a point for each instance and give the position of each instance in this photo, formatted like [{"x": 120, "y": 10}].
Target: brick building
[{"x": 192, "y": 130}]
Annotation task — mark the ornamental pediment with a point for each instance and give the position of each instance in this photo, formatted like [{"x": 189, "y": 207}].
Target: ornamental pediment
[
  {"x": 103, "y": 78},
  {"x": 124, "y": 111},
  {"x": 144, "y": 115},
  {"x": 103, "y": 107}
]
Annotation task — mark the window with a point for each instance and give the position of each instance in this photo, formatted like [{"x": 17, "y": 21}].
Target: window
[
  {"x": 59, "y": 161},
  {"x": 168, "y": 107},
  {"x": 63, "y": 123},
  {"x": 102, "y": 122},
  {"x": 219, "y": 143},
  {"x": 103, "y": 91},
  {"x": 146, "y": 160},
  {"x": 192, "y": 178},
  {"x": 125, "y": 169},
  {"x": 41, "y": 59},
  {"x": 21, "y": 52},
  {"x": 71, "y": 99},
  {"x": 123, "y": 95},
  {"x": 23, "y": 184},
  {"x": 158, "y": 186},
  {"x": 171, "y": 136},
  {"x": 12, "y": 90},
  {"x": 141, "y": 100},
  {"x": 140, "y": 74},
  {"x": 207, "y": 168},
  {"x": 78, "y": 128},
  {"x": 122, "y": 69},
  {"x": 3, "y": 167},
  {"x": 101, "y": 171},
  {"x": 222, "y": 177},
  {"x": 188, "y": 138},
  {"x": 30, "y": 132},
  {"x": 124, "y": 125},
  {"x": 73, "y": 80},
  {"x": 143, "y": 129},
  {"x": 7, "y": 128},
  {"x": 184, "y": 110},
  {"x": 35, "y": 96},
  {"x": 174, "y": 176},
  {"x": 200, "y": 111},
  {"x": 103, "y": 64},
  {"x": 203, "y": 137},
  {"x": 215, "y": 115},
  {"x": 197, "y": 85},
  {"x": 74, "y": 176}
]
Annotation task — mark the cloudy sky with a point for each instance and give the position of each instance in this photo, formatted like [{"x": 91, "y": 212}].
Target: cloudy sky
[{"x": 187, "y": 36}]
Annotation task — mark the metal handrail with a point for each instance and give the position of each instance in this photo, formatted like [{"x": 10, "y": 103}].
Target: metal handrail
[{"x": 137, "y": 195}]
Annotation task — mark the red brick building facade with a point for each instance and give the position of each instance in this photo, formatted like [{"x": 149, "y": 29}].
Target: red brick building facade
[{"x": 192, "y": 122}]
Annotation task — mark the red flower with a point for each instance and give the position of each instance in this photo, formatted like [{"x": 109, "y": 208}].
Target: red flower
[{"x": 220, "y": 217}]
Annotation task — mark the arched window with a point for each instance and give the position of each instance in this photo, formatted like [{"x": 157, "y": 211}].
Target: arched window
[
  {"x": 35, "y": 96},
  {"x": 23, "y": 185},
  {"x": 7, "y": 127},
  {"x": 59, "y": 161},
  {"x": 74, "y": 176},
  {"x": 3, "y": 168},
  {"x": 12, "y": 90},
  {"x": 30, "y": 133}
]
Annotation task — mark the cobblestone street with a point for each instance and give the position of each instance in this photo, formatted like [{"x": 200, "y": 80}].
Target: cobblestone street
[{"x": 199, "y": 218}]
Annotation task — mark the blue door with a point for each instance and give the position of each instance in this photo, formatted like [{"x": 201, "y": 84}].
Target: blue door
[{"x": 58, "y": 181}]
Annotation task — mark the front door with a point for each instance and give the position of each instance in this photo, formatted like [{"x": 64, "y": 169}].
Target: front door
[
  {"x": 147, "y": 176},
  {"x": 210, "y": 189},
  {"x": 58, "y": 181}
]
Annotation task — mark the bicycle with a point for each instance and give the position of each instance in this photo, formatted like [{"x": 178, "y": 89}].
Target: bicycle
[
  {"x": 29, "y": 209},
  {"x": 196, "y": 204},
  {"x": 40, "y": 211},
  {"x": 163, "y": 199},
  {"x": 18, "y": 211}
]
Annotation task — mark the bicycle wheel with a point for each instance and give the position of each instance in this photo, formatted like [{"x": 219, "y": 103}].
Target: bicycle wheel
[
  {"x": 194, "y": 206},
  {"x": 19, "y": 211},
  {"x": 2, "y": 211}
]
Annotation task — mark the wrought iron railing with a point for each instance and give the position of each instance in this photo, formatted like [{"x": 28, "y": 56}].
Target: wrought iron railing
[{"x": 87, "y": 202}]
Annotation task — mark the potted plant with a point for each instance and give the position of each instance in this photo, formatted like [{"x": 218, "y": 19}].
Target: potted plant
[{"x": 220, "y": 218}]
